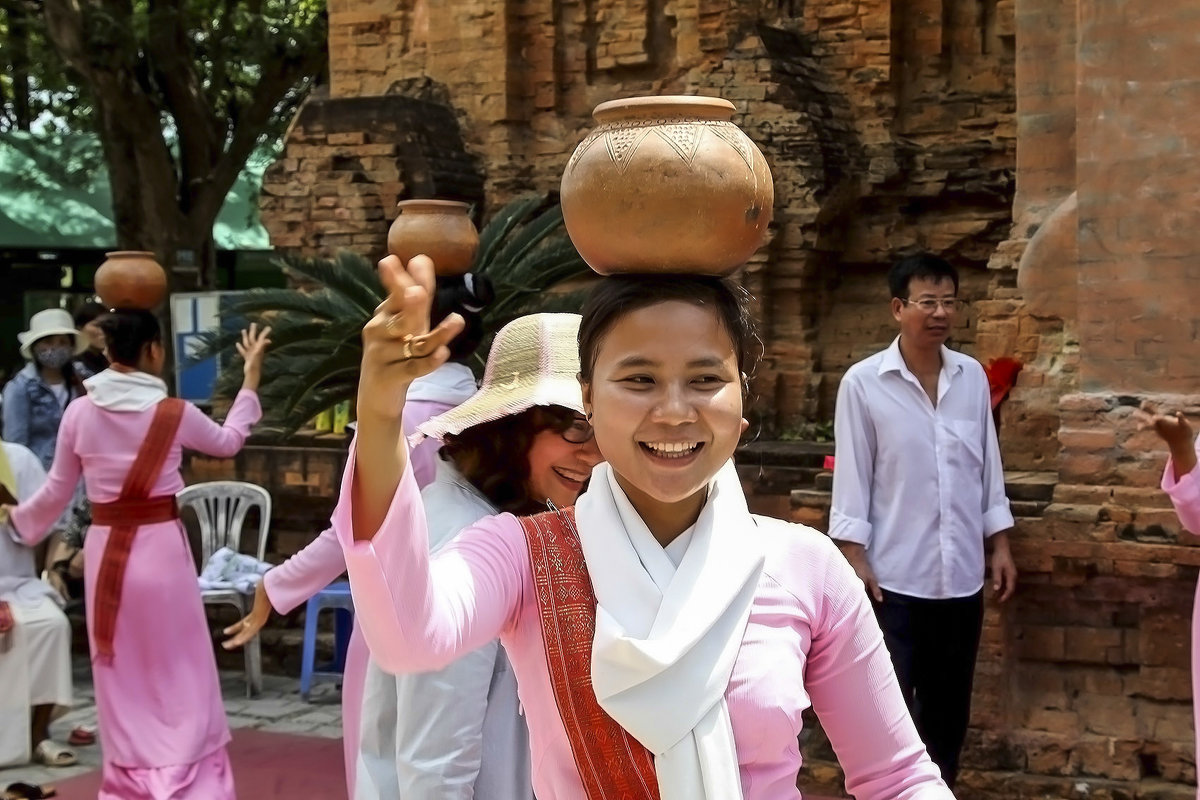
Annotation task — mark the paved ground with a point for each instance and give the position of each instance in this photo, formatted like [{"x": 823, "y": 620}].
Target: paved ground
[{"x": 279, "y": 708}]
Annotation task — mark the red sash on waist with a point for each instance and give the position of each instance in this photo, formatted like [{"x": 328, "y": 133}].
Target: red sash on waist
[
  {"x": 136, "y": 512},
  {"x": 612, "y": 764},
  {"x": 132, "y": 509}
]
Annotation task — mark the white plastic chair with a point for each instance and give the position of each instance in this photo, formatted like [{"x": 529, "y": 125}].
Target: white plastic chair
[{"x": 221, "y": 508}]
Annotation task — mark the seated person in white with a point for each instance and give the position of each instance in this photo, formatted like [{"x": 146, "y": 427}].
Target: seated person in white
[{"x": 35, "y": 651}]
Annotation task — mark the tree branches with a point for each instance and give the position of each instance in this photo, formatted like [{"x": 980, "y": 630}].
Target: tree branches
[{"x": 184, "y": 91}]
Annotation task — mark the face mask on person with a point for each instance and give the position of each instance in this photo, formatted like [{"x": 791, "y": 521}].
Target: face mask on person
[{"x": 54, "y": 356}]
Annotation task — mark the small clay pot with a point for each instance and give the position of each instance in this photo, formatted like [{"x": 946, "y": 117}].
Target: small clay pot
[
  {"x": 131, "y": 279},
  {"x": 667, "y": 184},
  {"x": 440, "y": 229}
]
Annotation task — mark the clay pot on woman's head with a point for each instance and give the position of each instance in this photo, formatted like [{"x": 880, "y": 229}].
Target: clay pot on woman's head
[
  {"x": 131, "y": 279},
  {"x": 440, "y": 229},
  {"x": 667, "y": 184}
]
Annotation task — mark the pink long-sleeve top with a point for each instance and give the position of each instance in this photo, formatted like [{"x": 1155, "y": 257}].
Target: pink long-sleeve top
[
  {"x": 811, "y": 640},
  {"x": 1184, "y": 494},
  {"x": 97, "y": 443}
]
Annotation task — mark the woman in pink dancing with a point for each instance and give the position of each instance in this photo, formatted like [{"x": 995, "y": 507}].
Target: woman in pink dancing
[
  {"x": 1181, "y": 482},
  {"x": 158, "y": 698}
]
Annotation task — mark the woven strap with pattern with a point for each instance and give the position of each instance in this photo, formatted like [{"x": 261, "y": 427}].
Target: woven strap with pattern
[{"x": 612, "y": 764}]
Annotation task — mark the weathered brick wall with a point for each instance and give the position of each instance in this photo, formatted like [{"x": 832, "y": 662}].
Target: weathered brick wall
[
  {"x": 889, "y": 127},
  {"x": 347, "y": 161}
]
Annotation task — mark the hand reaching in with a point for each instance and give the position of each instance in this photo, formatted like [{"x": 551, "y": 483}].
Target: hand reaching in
[{"x": 248, "y": 626}]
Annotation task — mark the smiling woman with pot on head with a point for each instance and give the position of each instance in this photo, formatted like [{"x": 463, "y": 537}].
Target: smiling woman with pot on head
[{"x": 665, "y": 640}]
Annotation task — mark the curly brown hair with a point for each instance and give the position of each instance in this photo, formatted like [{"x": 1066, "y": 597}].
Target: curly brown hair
[{"x": 484, "y": 454}]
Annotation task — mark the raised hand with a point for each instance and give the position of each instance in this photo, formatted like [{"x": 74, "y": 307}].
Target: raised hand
[
  {"x": 1176, "y": 431},
  {"x": 398, "y": 346},
  {"x": 252, "y": 348}
]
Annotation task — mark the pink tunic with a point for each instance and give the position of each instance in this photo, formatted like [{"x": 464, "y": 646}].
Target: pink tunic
[
  {"x": 320, "y": 563},
  {"x": 162, "y": 722},
  {"x": 812, "y": 640},
  {"x": 1185, "y": 495}
]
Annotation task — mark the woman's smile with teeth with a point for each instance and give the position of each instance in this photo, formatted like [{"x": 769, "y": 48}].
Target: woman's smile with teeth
[
  {"x": 568, "y": 475},
  {"x": 671, "y": 449}
]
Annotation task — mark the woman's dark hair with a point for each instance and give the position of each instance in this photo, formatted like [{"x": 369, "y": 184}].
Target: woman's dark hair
[
  {"x": 484, "y": 454},
  {"x": 468, "y": 295},
  {"x": 88, "y": 312},
  {"x": 922, "y": 265},
  {"x": 618, "y": 295},
  {"x": 127, "y": 332}
]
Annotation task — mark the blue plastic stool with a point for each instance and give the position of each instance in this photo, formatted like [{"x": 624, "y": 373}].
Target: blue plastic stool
[{"x": 336, "y": 596}]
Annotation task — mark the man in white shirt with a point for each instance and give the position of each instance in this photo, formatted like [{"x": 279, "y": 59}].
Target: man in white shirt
[
  {"x": 35, "y": 652},
  {"x": 917, "y": 489}
]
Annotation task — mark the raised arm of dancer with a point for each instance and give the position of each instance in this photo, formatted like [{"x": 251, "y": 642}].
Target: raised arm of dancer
[
  {"x": 398, "y": 348},
  {"x": 854, "y": 691},
  {"x": 198, "y": 432}
]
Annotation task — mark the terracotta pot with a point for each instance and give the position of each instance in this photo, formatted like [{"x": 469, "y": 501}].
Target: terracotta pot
[
  {"x": 131, "y": 279},
  {"x": 667, "y": 184},
  {"x": 440, "y": 229}
]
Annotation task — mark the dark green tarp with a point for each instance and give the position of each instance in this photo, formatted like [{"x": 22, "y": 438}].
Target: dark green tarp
[{"x": 54, "y": 193}]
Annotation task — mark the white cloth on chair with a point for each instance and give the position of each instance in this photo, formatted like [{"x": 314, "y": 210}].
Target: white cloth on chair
[{"x": 229, "y": 570}]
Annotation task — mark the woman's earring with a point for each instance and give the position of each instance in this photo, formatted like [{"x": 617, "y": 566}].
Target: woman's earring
[{"x": 588, "y": 416}]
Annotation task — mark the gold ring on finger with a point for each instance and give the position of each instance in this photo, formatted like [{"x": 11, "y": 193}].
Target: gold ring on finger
[{"x": 407, "y": 352}]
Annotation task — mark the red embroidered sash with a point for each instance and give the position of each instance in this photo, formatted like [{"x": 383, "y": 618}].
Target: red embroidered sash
[
  {"x": 135, "y": 494},
  {"x": 612, "y": 764}
]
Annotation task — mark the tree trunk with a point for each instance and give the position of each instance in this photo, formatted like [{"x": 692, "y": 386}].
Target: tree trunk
[{"x": 18, "y": 40}]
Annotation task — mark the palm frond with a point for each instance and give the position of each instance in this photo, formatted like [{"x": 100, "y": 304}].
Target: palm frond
[
  {"x": 524, "y": 240},
  {"x": 316, "y": 335},
  {"x": 348, "y": 275},
  {"x": 508, "y": 218},
  {"x": 323, "y": 304}
]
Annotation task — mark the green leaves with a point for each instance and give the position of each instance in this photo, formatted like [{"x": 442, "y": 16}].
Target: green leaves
[{"x": 316, "y": 332}]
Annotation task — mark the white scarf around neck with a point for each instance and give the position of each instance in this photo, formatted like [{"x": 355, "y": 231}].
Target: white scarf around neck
[
  {"x": 667, "y": 638},
  {"x": 125, "y": 391}
]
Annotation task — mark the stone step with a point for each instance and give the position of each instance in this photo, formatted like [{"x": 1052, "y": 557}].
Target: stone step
[
  {"x": 1023, "y": 500},
  {"x": 775, "y": 479},
  {"x": 809, "y": 498},
  {"x": 1034, "y": 486},
  {"x": 790, "y": 453},
  {"x": 1027, "y": 508}
]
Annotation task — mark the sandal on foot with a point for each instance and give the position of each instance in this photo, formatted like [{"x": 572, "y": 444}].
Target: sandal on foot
[
  {"x": 53, "y": 754},
  {"x": 82, "y": 735},
  {"x": 28, "y": 791}
]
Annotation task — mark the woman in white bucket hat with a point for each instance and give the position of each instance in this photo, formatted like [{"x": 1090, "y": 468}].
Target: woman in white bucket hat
[
  {"x": 519, "y": 443},
  {"x": 37, "y": 396}
]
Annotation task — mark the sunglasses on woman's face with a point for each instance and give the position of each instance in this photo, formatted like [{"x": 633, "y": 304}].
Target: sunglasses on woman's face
[{"x": 578, "y": 432}]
